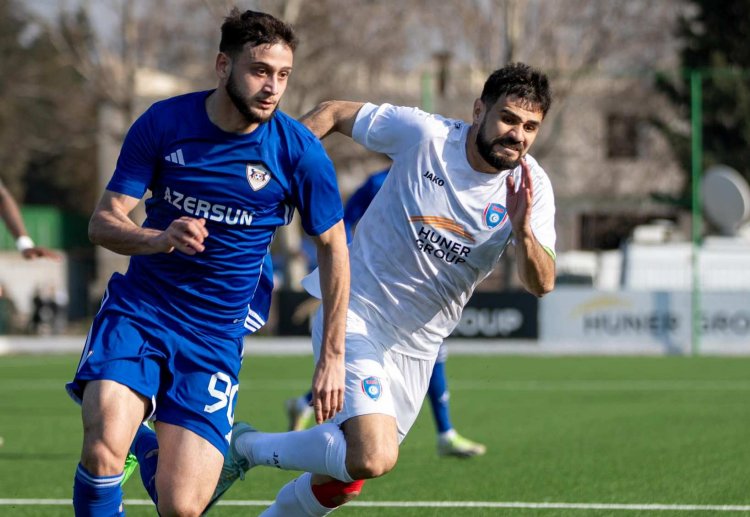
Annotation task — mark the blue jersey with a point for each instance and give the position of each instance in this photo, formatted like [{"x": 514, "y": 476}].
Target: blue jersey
[
  {"x": 360, "y": 200},
  {"x": 244, "y": 186}
]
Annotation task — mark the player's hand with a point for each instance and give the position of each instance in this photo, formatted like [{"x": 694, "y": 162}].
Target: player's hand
[
  {"x": 185, "y": 234},
  {"x": 328, "y": 389},
  {"x": 519, "y": 199},
  {"x": 39, "y": 252}
]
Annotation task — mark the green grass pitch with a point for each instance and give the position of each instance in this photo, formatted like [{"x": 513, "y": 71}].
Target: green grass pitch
[{"x": 630, "y": 430}]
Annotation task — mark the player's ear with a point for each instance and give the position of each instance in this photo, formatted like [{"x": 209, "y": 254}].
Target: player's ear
[
  {"x": 477, "y": 111},
  {"x": 223, "y": 65}
]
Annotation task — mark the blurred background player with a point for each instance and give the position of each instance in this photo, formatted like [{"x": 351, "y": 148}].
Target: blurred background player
[
  {"x": 11, "y": 216},
  {"x": 450, "y": 443}
]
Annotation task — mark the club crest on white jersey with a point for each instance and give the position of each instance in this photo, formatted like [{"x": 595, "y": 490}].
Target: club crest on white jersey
[
  {"x": 495, "y": 215},
  {"x": 258, "y": 176}
]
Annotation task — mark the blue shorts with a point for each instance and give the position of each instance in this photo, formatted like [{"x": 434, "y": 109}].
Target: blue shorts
[{"x": 191, "y": 378}]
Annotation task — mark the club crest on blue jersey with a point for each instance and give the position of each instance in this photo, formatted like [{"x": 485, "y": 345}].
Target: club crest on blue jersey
[
  {"x": 258, "y": 176},
  {"x": 372, "y": 388},
  {"x": 495, "y": 215}
]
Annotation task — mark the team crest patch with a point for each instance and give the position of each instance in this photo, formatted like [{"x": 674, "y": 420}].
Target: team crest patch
[
  {"x": 495, "y": 215},
  {"x": 372, "y": 388},
  {"x": 258, "y": 176}
]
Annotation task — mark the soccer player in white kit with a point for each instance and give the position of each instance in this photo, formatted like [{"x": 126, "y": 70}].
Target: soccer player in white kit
[{"x": 456, "y": 196}]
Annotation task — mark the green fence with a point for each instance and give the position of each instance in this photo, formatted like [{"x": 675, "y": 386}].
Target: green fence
[{"x": 51, "y": 228}]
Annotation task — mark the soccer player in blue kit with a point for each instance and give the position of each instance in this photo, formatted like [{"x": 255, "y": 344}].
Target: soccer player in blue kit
[{"x": 225, "y": 169}]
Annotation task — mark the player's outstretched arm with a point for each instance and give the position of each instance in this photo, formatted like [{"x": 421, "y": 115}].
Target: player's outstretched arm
[
  {"x": 11, "y": 215},
  {"x": 328, "y": 379},
  {"x": 536, "y": 268},
  {"x": 111, "y": 227},
  {"x": 332, "y": 116}
]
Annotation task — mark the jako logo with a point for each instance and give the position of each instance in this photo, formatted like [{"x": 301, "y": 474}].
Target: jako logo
[
  {"x": 434, "y": 178},
  {"x": 372, "y": 388}
]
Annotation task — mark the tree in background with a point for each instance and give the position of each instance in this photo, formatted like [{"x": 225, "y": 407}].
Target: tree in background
[
  {"x": 714, "y": 38},
  {"x": 45, "y": 123},
  {"x": 350, "y": 49}
]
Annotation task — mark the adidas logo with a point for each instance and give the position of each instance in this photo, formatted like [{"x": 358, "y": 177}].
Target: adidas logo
[{"x": 175, "y": 157}]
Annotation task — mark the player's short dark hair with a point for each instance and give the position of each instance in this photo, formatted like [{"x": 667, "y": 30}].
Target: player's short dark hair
[
  {"x": 255, "y": 28},
  {"x": 518, "y": 80}
]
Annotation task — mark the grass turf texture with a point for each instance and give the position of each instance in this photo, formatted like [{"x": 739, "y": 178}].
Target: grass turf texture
[{"x": 668, "y": 430}]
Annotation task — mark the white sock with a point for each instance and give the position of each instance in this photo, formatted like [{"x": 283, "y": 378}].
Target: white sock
[
  {"x": 320, "y": 449},
  {"x": 296, "y": 499},
  {"x": 447, "y": 435}
]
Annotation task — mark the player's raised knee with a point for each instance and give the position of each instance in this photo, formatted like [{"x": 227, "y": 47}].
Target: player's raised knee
[
  {"x": 100, "y": 460},
  {"x": 372, "y": 465},
  {"x": 180, "y": 506}
]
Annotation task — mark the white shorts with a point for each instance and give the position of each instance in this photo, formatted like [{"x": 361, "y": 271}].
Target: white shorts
[{"x": 378, "y": 379}]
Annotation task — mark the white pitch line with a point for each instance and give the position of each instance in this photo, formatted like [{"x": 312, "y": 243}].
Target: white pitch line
[
  {"x": 440, "y": 504},
  {"x": 604, "y": 385},
  {"x": 8, "y": 385}
]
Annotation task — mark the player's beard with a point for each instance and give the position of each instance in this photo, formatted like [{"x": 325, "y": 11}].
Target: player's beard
[
  {"x": 243, "y": 102},
  {"x": 494, "y": 158}
]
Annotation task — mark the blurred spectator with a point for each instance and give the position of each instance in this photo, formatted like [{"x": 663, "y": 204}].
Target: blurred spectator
[
  {"x": 8, "y": 312},
  {"x": 49, "y": 310}
]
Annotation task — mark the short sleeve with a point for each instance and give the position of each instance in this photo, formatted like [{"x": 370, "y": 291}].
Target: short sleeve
[
  {"x": 315, "y": 191},
  {"x": 389, "y": 129},
  {"x": 138, "y": 158}
]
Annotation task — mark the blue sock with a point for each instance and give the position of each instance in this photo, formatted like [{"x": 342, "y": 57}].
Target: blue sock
[
  {"x": 146, "y": 449},
  {"x": 97, "y": 496},
  {"x": 439, "y": 396}
]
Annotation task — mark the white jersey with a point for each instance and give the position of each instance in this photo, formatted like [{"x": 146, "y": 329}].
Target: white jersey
[{"x": 436, "y": 228}]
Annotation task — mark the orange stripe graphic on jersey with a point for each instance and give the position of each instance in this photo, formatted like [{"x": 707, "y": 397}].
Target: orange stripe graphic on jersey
[{"x": 444, "y": 223}]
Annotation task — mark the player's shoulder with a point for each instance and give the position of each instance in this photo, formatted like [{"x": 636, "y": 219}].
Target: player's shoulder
[
  {"x": 418, "y": 122},
  {"x": 174, "y": 114},
  {"x": 294, "y": 133},
  {"x": 293, "y": 128},
  {"x": 179, "y": 103},
  {"x": 536, "y": 168},
  {"x": 537, "y": 171}
]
